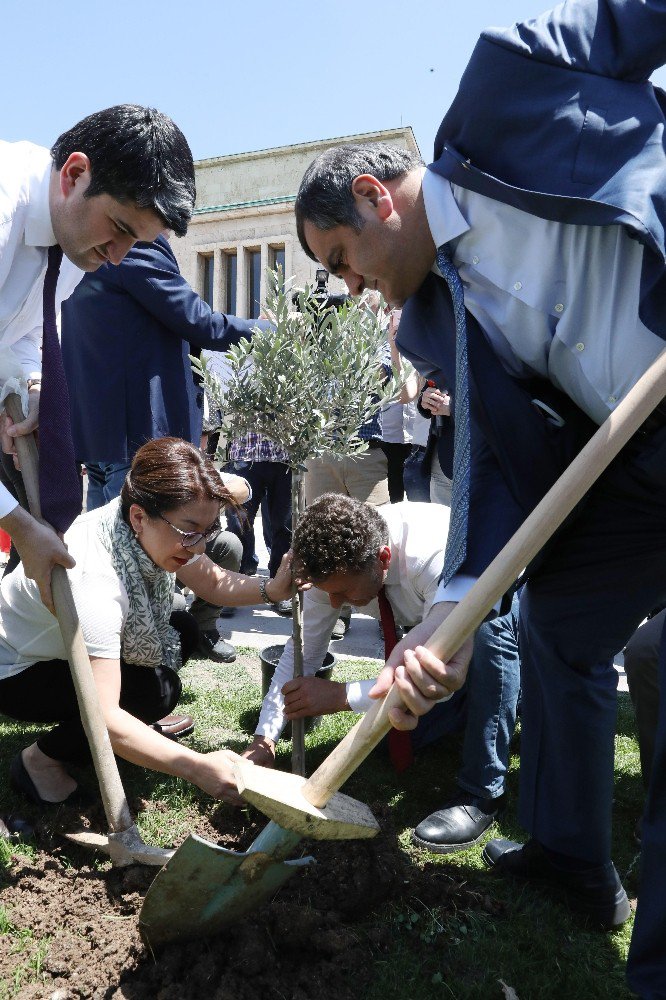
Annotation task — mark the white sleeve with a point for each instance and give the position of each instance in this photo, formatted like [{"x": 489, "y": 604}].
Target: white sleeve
[
  {"x": 455, "y": 589},
  {"x": 357, "y": 695},
  {"x": 318, "y": 620},
  {"x": 7, "y": 502},
  {"x": 28, "y": 350}
]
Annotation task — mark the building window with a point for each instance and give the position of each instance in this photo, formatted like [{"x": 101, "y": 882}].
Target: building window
[
  {"x": 253, "y": 283},
  {"x": 277, "y": 258},
  {"x": 230, "y": 280},
  {"x": 208, "y": 279}
]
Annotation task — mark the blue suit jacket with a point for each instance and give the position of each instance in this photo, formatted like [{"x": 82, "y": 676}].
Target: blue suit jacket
[
  {"x": 127, "y": 332},
  {"x": 556, "y": 117}
]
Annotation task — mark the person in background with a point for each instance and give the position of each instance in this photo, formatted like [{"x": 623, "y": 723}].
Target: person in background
[{"x": 127, "y": 336}]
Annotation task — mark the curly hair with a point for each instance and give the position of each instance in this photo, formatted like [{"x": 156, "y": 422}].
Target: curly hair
[{"x": 337, "y": 534}]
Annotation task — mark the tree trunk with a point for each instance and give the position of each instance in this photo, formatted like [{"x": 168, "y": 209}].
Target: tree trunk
[{"x": 297, "y": 725}]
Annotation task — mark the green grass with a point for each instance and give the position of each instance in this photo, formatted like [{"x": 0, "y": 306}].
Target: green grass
[{"x": 493, "y": 931}]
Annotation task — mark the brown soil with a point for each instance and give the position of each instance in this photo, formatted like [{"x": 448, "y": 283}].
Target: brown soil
[{"x": 313, "y": 941}]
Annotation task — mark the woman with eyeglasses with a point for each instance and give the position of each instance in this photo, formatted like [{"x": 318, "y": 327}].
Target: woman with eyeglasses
[{"x": 128, "y": 556}]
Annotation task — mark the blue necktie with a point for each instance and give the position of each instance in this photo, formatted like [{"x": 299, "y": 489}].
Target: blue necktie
[
  {"x": 456, "y": 545},
  {"x": 59, "y": 483}
]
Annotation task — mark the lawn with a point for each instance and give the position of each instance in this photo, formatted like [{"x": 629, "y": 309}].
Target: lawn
[{"x": 437, "y": 927}]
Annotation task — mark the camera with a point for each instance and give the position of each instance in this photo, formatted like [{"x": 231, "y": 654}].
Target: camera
[{"x": 321, "y": 295}]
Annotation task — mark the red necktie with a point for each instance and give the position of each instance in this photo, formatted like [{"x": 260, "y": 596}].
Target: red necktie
[
  {"x": 59, "y": 483},
  {"x": 399, "y": 743}
]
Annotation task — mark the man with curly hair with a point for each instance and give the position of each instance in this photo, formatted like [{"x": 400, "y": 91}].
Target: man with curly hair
[{"x": 349, "y": 551}]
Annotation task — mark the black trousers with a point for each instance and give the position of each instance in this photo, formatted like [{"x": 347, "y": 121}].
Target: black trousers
[
  {"x": 45, "y": 693},
  {"x": 396, "y": 456}
]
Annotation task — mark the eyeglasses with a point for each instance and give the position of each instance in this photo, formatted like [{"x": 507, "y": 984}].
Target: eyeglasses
[{"x": 188, "y": 539}]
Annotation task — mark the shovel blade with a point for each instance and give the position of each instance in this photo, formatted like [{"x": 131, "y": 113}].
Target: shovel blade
[{"x": 205, "y": 887}]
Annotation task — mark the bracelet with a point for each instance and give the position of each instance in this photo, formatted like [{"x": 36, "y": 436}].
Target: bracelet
[{"x": 262, "y": 590}]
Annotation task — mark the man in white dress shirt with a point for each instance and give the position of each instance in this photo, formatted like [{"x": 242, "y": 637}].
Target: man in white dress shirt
[
  {"x": 349, "y": 550},
  {"x": 118, "y": 176}
]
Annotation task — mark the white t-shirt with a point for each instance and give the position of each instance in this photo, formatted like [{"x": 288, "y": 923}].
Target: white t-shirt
[{"x": 30, "y": 633}]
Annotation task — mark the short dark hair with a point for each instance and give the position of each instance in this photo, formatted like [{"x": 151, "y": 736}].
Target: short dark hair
[
  {"x": 136, "y": 154},
  {"x": 325, "y": 196},
  {"x": 168, "y": 473},
  {"x": 337, "y": 534}
]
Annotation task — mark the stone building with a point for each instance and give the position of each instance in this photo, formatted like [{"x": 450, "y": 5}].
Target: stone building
[{"x": 244, "y": 221}]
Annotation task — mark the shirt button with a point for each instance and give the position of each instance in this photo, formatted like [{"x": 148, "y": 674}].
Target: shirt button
[
  {"x": 559, "y": 307},
  {"x": 518, "y": 285},
  {"x": 612, "y": 399},
  {"x": 580, "y": 347},
  {"x": 475, "y": 259}
]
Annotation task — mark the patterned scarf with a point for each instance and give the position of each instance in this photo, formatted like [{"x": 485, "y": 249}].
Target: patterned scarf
[{"x": 148, "y": 639}]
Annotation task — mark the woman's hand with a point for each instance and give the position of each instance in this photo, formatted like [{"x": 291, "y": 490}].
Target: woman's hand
[
  {"x": 280, "y": 586},
  {"x": 213, "y": 773},
  {"x": 436, "y": 401}
]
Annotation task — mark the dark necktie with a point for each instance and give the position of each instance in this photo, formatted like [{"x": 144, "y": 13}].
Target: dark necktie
[
  {"x": 399, "y": 743},
  {"x": 456, "y": 544},
  {"x": 59, "y": 484}
]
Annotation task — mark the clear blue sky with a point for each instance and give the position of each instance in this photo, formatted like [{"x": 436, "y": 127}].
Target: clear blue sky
[{"x": 239, "y": 75}]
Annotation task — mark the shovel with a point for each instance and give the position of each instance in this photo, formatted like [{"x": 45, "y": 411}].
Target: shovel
[
  {"x": 123, "y": 843},
  {"x": 203, "y": 887}
]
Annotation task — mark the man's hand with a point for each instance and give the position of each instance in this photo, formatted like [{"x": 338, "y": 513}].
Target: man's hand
[
  {"x": 261, "y": 751},
  {"x": 421, "y": 677},
  {"x": 40, "y": 549},
  {"x": 305, "y": 696},
  {"x": 9, "y": 430}
]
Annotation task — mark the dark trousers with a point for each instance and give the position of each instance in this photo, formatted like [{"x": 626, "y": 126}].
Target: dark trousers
[
  {"x": 271, "y": 480},
  {"x": 45, "y": 693},
  {"x": 647, "y": 955},
  {"x": 396, "y": 456},
  {"x": 597, "y": 581},
  {"x": 641, "y": 664}
]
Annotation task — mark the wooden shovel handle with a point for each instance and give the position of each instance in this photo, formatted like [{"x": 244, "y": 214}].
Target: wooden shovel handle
[
  {"x": 519, "y": 551},
  {"x": 116, "y": 808}
]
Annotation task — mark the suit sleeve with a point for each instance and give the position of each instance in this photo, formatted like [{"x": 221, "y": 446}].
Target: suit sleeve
[
  {"x": 150, "y": 275},
  {"x": 620, "y": 39}
]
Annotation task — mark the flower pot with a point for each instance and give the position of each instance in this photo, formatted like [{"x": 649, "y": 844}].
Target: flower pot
[{"x": 269, "y": 661}]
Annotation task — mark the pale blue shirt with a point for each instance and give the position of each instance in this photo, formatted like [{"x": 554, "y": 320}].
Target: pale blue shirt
[{"x": 555, "y": 300}]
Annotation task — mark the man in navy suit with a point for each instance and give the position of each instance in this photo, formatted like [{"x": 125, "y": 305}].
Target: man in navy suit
[
  {"x": 548, "y": 191},
  {"x": 127, "y": 334}
]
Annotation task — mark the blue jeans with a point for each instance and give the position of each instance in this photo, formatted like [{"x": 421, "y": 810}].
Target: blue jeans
[
  {"x": 105, "y": 481},
  {"x": 493, "y": 690},
  {"x": 485, "y": 706}
]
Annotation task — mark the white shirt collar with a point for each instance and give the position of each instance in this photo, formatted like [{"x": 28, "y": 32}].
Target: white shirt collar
[
  {"x": 445, "y": 219},
  {"x": 38, "y": 228}
]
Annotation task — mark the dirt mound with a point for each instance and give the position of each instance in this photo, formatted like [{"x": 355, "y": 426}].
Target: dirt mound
[{"x": 309, "y": 943}]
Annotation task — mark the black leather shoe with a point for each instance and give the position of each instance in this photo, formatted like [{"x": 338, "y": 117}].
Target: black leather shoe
[
  {"x": 21, "y": 782},
  {"x": 175, "y": 726},
  {"x": 596, "y": 892},
  {"x": 211, "y": 647},
  {"x": 459, "y": 824}
]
